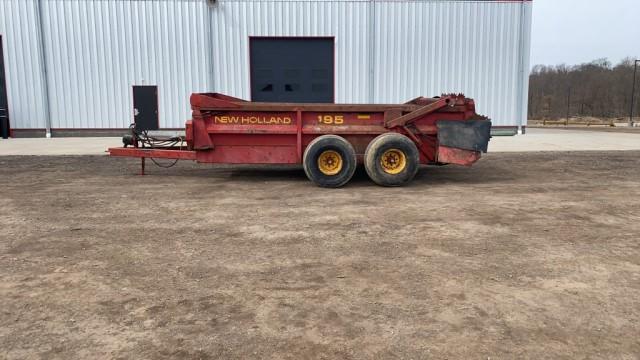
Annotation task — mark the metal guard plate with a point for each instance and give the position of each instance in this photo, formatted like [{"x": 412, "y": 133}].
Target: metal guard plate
[{"x": 468, "y": 135}]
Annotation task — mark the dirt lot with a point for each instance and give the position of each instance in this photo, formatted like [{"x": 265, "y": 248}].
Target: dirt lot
[{"x": 523, "y": 256}]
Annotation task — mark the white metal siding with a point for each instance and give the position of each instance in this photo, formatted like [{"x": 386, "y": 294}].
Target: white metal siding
[
  {"x": 385, "y": 51},
  {"x": 433, "y": 47},
  {"x": 235, "y": 21},
  {"x": 406, "y": 49},
  {"x": 97, "y": 49},
  {"x": 24, "y": 77}
]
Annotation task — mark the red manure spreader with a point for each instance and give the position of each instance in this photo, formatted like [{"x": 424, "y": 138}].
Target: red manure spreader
[{"x": 329, "y": 140}]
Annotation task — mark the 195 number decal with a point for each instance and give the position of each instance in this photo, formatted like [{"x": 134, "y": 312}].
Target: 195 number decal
[{"x": 330, "y": 119}]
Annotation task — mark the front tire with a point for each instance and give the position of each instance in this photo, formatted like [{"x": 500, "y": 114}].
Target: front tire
[
  {"x": 391, "y": 159},
  {"x": 329, "y": 161}
]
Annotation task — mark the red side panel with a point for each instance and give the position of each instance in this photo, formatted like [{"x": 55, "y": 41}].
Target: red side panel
[
  {"x": 449, "y": 155},
  {"x": 213, "y": 100},
  {"x": 249, "y": 154}
]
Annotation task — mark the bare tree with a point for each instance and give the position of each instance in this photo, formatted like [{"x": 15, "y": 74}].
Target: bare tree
[{"x": 598, "y": 89}]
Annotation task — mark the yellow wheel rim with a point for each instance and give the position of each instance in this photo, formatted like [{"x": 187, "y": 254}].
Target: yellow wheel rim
[
  {"x": 330, "y": 162},
  {"x": 393, "y": 161}
]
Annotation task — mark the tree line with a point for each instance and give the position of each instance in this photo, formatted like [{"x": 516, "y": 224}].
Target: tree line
[{"x": 595, "y": 89}]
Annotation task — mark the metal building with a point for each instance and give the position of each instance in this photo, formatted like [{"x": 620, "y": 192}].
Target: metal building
[{"x": 95, "y": 66}]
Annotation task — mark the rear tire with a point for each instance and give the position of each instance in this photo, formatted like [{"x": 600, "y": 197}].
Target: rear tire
[
  {"x": 391, "y": 159},
  {"x": 329, "y": 161}
]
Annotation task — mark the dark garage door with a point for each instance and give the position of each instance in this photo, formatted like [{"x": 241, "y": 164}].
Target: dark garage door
[{"x": 292, "y": 69}]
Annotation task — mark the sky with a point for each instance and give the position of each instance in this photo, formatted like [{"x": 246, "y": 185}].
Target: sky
[{"x": 578, "y": 31}]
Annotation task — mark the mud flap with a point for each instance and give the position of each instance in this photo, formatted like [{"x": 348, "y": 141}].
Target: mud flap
[{"x": 462, "y": 142}]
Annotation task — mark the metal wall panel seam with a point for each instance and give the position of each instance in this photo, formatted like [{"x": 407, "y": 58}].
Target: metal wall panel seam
[
  {"x": 526, "y": 56},
  {"x": 43, "y": 70},
  {"x": 209, "y": 40}
]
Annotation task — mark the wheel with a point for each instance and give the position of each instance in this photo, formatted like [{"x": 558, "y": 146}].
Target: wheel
[
  {"x": 391, "y": 159},
  {"x": 329, "y": 161}
]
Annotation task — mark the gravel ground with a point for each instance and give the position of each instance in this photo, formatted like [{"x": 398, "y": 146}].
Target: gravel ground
[{"x": 532, "y": 255}]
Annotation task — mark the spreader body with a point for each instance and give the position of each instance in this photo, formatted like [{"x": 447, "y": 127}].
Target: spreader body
[{"x": 228, "y": 130}]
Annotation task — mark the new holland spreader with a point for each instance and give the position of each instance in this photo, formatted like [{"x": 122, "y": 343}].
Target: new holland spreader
[{"x": 329, "y": 140}]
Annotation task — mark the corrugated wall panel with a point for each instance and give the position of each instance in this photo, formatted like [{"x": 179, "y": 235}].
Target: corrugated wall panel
[
  {"x": 433, "y": 47},
  {"x": 24, "y": 73},
  {"x": 386, "y": 51},
  {"x": 348, "y": 21},
  {"x": 98, "y": 49},
  {"x": 525, "y": 67},
  {"x": 416, "y": 48}
]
